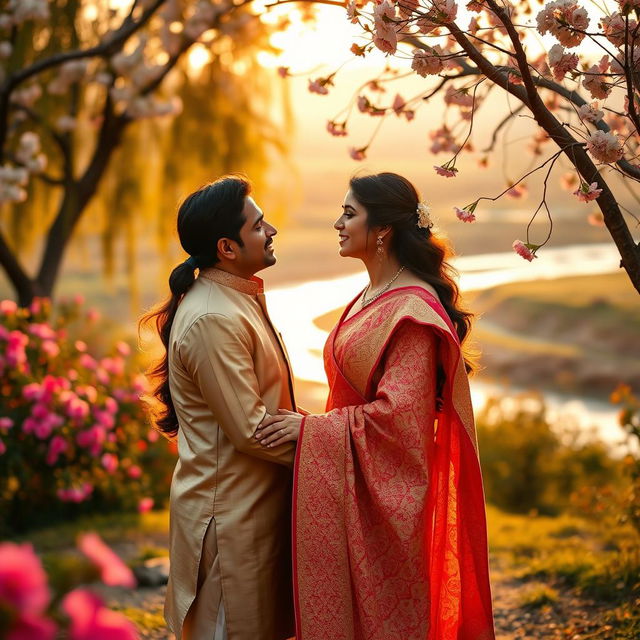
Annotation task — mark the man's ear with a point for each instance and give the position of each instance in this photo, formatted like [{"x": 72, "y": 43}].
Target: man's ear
[{"x": 227, "y": 249}]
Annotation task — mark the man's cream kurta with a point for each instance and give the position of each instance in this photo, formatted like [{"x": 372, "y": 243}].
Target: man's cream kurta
[{"x": 227, "y": 367}]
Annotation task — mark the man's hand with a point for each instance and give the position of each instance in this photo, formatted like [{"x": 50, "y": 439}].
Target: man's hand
[{"x": 278, "y": 429}]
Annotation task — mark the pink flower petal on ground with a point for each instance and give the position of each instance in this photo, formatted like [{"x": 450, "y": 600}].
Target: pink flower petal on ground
[
  {"x": 523, "y": 250},
  {"x": 23, "y": 582},
  {"x": 113, "y": 570},
  {"x": 91, "y": 620}
]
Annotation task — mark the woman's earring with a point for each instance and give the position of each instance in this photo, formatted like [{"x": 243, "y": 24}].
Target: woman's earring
[{"x": 380, "y": 248}]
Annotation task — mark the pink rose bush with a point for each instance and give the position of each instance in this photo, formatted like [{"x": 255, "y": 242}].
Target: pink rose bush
[
  {"x": 74, "y": 434},
  {"x": 27, "y": 612}
]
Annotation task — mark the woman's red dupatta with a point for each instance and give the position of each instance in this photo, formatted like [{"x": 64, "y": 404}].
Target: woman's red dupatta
[{"x": 333, "y": 599}]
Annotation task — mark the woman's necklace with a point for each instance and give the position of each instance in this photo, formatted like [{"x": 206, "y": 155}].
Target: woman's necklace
[{"x": 365, "y": 302}]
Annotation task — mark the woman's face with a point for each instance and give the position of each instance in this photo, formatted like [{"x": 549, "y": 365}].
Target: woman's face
[{"x": 355, "y": 237}]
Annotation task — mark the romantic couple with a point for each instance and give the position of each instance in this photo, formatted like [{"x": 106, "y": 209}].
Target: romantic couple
[{"x": 388, "y": 540}]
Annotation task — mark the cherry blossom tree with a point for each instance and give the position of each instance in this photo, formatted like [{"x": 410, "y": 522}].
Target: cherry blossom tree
[
  {"x": 582, "y": 90},
  {"x": 75, "y": 78}
]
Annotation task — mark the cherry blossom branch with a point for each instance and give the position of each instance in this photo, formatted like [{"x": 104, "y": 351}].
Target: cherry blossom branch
[
  {"x": 628, "y": 60},
  {"x": 501, "y": 125}
]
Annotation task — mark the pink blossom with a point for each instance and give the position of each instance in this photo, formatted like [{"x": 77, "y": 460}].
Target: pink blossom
[
  {"x": 445, "y": 171},
  {"x": 104, "y": 418},
  {"x": 596, "y": 83},
  {"x": 134, "y": 471},
  {"x": 427, "y": 63},
  {"x": 57, "y": 446},
  {"x": 153, "y": 435},
  {"x": 15, "y": 354},
  {"x": 23, "y": 582},
  {"x": 318, "y": 86},
  {"x": 113, "y": 571},
  {"x": 45, "y": 426},
  {"x": 443, "y": 140},
  {"x": 358, "y": 154},
  {"x": 123, "y": 348},
  {"x": 5, "y": 424},
  {"x": 385, "y": 27},
  {"x": 42, "y": 330},
  {"x": 111, "y": 406},
  {"x": 458, "y": 97},
  {"x": 590, "y": 112},
  {"x": 75, "y": 494},
  {"x": 560, "y": 62},
  {"x": 564, "y": 19},
  {"x": 77, "y": 409},
  {"x": 92, "y": 439},
  {"x": 8, "y": 307},
  {"x": 283, "y": 72},
  {"x": 88, "y": 362},
  {"x": 90, "y": 620},
  {"x": 80, "y": 346},
  {"x": 72, "y": 374},
  {"x": 88, "y": 391},
  {"x": 587, "y": 192},
  {"x": 352, "y": 12},
  {"x": 109, "y": 462},
  {"x": 93, "y": 315},
  {"x": 526, "y": 251},
  {"x": 146, "y": 504},
  {"x": 32, "y": 391},
  {"x": 102, "y": 376},
  {"x": 3, "y": 448},
  {"x": 613, "y": 27},
  {"x": 398, "y": 104},
  {"x": 50, "y": 348},
  {"x": 604, "y": 147},
  {"x": 596, "y": 219},
  {"x": 517, "y": 191},
  {"x": 113, "y": 366},
  {"x": 464, "y": 215}
]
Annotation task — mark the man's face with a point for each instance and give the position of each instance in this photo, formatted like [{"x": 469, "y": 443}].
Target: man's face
[{"x": 257, "y": 235}]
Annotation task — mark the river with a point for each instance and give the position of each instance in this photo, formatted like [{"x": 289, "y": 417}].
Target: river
[{"x": 294, "y": 309}]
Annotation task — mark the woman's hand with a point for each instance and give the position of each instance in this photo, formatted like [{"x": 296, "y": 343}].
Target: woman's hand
[{"x": 278, "y": 429}]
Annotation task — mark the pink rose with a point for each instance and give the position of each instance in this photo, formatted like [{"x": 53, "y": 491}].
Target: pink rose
[
  {"x": 50, "y": 348},
  {"x": 90, "y": 620},
  {"x": 23, "y": 582},
  {"x": 145, "y": 505},
  {"x": 57, "y": 446},
  {"x": 134, "y": 471},
  {"x": 5, "y": 424},
  {"x": 8, "y": 307},
  {"x": 75, "y": 494},
  {"x": 524, "y": 250},
  {"x": 109, "y": 462},
  {"x": 113, "y": 571}
]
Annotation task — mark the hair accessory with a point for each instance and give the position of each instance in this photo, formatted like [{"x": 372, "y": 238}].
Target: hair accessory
[
  {"x": 424, "y": 217},
  {"x": 192, "y": 261}
]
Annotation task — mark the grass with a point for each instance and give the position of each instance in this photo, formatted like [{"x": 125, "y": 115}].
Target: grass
[{"x": 538, "y": 595}]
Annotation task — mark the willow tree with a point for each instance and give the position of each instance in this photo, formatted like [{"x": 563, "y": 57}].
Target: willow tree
[
  {"x": 586, "y": 104},
  {"x": 96, "y": 101}
]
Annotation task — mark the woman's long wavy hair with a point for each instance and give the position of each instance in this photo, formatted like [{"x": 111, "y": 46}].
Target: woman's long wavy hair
[
  {"x": 207, "y": 215},
  {"x": 391, "y": 200}
]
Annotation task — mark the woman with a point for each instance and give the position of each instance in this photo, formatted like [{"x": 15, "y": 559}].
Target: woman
[{"x": 389, "y": 523}]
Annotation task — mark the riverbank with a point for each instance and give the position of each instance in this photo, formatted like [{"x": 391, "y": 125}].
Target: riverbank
[{"x": 575, "y": 335}]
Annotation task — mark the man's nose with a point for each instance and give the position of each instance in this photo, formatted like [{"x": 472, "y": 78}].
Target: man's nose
[{"x": 271, "y": 230}]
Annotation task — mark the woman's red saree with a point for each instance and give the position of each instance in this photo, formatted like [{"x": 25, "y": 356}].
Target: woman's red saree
[{"x": 389, "y": 524}]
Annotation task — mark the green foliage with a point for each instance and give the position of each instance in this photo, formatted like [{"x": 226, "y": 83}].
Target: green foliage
[
  {"x": 528, "y": 465},
  {"x": 538, "y": 595}
]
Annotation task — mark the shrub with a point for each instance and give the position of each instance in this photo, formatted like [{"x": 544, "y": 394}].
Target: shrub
[
  {"x": 74, "y": 437},
  {"x": 528, "y": 465}
]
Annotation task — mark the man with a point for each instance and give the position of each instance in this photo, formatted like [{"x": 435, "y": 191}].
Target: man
[{"x": 230, "y": 549}]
